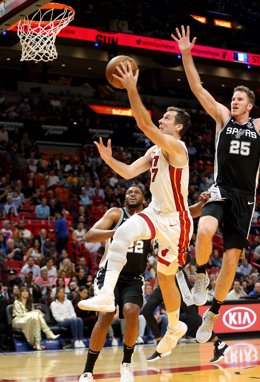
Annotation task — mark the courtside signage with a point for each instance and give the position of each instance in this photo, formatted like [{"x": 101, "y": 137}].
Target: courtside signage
[{"x": 236, "y": 318}]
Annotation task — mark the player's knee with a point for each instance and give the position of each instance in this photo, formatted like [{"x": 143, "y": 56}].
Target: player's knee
[
  {"x": 131, "y": 313},
  {"x": 205, "y": 232}
]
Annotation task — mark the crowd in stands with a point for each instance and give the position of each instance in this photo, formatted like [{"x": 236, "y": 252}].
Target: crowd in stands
[
  {"x": 147, "y": 18},
  {"x": 48, "y": 201}
]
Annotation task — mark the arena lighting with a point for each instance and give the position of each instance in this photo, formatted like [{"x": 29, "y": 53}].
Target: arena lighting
[
  {"x": 113, "y": 110},
  {"x": 223, "y": 23},
  {"x": 103, "y": 39},
  {"x": 201, "y": 19}
]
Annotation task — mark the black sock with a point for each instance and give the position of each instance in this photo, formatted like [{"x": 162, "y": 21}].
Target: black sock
[
  {"x": 215, "y": 306},
  {"x": 201, "y": 268},
  {"x": 128, "y": 352},
  {"x": 91, "y": 360}
]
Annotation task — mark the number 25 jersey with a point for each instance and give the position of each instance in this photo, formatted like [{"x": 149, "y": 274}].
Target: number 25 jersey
[{"x": 237, "y": 156}]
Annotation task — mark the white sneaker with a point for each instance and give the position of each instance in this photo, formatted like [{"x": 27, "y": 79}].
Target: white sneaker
[
  {"x": 170, "y": 339},
  {"x": 139, "y": 341},
  {"x": 76, "y": 344},
  {"x": 200, "y": 289},
  {"x": 103, "y": 302},
  {"x": 81, "y": 344},
  {"x": 205, "y": 330},
  {"x": 126, "y": 372},
  {"x": 114, "y": 342},
  {"x": 86, "y": 377}
]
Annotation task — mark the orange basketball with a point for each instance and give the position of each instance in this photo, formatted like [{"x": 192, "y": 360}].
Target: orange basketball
[{"x": 111, "y": 69}]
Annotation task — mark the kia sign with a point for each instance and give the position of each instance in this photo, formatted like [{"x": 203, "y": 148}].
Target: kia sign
[
  {"x": 239, "y": 318},
  {"x": 236, "y": 318}
]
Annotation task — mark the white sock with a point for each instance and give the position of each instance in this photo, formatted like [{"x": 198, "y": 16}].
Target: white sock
[
  {"x": 110, "y": 281},
  {"x": 173, "y": 319}
]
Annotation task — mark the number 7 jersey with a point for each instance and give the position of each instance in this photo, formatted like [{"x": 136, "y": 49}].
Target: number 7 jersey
[
  {"x": 169, "y": 184},
  {"x": 237, "y": 156}
]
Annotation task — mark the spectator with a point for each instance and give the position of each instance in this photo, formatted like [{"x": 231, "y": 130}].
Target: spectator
[
  {"x": 237, "y": 292},
  {"x": 43, "y": 238},
  {"x": 52, "y": 179},
  {"x": 85, "y": 200},
  {"x": 253, "y": 278},
  {"x": 3, "y": 248},
  {"x": 30, "y": 320},
  {"x": 21, "y": 242},
  {"x": 245, "y": 268},
  {"x": 51, "y": 269},
  {"x": 215, "y": 261},
  {"x": 81, "y": 277},
  {"x": 34, "y": 251},
  {"x": 42, "y": 211},
  {"x": 12, "y": 279},
  {"x": 89, "y": 318},
  {"x": 44, "y": 284},
  {"x": 68, "y": 267},
  {"x": 30, "y": 266},
  {"x": 79, "y": 235},
  {"x": 3, "y": 320},
  {"x": 8, "y": 233},
  {"x": 64, "y": 313},
  {"x": 27, "y": 234},
  {"x": 60, "y": 282},
  {"x": 256, "y": 292},
  {"x": 13, "y": 253},
  {"x": 82, "y": 263},
  {"x": 62, "y": 232},
  {"x": 256, "y": 255},
  {"x": 10, "y": 205},
  {"x": 14, "y": 295}
]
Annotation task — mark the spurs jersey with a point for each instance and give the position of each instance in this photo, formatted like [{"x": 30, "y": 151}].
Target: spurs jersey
[
  {"x": 169, "y": 184},
  {"x": 136, "y": 255},
  {"x": 237, "y": 156}
]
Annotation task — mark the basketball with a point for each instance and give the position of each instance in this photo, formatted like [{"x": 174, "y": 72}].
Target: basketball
[{"x": 111, "y": 69}]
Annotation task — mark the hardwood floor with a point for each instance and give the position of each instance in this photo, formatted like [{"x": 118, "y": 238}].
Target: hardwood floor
[{"x": 188, "y": 363}]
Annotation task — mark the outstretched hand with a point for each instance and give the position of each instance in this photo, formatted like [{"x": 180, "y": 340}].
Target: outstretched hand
[
  {"x": 127, "y": 77},
  {"x": 183, "y": 39},
  {"x": 104, "y": 151}
]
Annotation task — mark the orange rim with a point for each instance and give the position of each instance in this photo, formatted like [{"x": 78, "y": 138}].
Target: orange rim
[{"x": 58, "y": 6}]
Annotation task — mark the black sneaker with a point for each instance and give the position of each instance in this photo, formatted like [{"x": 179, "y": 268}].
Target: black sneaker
[
  {"x": 219, "y": 351},
  {"x": 155, "y": 356}
]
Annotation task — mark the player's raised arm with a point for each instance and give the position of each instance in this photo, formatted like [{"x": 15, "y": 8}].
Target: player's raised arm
[
  {"x": 216, "y": 110},
  {"x": 126, "y": 171}
]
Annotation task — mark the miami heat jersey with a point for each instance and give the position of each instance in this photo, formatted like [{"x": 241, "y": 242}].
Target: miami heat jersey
[
  {"x": 137, "y": 252},
  {"x": 169, "y": 184},
  {"x": 237, "y": 156}
]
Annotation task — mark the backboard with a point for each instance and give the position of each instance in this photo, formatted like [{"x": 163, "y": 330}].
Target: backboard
[{"x": 12, "y": 11}]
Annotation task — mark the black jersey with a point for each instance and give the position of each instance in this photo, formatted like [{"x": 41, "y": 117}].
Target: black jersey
[
  {"x": 237, "y": 156},
  {"x": 136, "y": 255}
]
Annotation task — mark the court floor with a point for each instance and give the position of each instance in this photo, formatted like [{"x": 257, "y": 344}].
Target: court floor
[{"x": 188, "y": 363}]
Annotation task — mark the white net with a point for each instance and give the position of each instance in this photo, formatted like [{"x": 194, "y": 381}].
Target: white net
[{"x": 38, "y": 34}]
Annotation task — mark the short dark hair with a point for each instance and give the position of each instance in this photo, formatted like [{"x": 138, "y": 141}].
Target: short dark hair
[
  {"x": 136, "y": 186},
  {"x": 182, "y": 117},
  {"x": 245, "y": 89}
]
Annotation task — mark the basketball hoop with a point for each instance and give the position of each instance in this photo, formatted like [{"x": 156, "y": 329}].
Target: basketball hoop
[{"x": 38, "y": 34}]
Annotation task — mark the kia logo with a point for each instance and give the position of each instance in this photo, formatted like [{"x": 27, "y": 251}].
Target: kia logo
[{"x": 239, "y": 318}]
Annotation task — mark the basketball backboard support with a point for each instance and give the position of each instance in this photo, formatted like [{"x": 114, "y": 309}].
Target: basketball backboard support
[{"x": 12, "y": 11}]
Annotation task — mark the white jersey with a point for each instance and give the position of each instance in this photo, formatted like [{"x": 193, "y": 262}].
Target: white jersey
[{"x": 169, "y": 184}]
